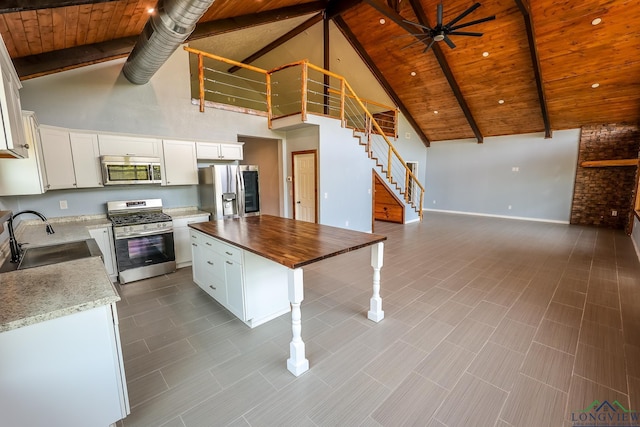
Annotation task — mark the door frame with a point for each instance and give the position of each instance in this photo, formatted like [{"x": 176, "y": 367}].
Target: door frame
[{"x": 315, "y": 181}]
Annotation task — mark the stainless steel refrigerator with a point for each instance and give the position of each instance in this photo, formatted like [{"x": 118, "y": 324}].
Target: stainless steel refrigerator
[{"x": 229, "y": 191}]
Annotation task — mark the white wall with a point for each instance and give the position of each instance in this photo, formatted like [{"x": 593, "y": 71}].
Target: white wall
[
  {"x": 345, "y": 178},
  {"x": 478, "y": 178}
]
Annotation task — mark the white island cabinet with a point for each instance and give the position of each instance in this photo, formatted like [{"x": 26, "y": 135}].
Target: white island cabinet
[{"x": 251, "y": 287}]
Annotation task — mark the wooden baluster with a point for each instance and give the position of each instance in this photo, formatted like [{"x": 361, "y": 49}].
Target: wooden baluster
[
  {"x": 269, "y": 107},
  {"x": 303, "y": 105},
  {"x": 201, "y": 80}
]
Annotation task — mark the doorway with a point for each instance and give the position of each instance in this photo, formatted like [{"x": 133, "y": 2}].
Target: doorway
[{"x": 305, "y": 185}]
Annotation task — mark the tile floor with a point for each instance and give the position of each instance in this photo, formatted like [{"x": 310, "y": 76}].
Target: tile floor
[{"x": 488, "y": 322}]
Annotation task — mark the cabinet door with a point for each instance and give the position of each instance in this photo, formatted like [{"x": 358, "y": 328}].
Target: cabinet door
[
  {"x": 58, "y": 159},
  {"x": 12, "y": 140},
  {"x": 235, "y": 288},
  {"x": 207, "y": 150},
  {"x": 180, "y": 164},
  {"x": 86, "y": 159},
  {"x": 125, "y": 145},
  {"x": 25, "y": 176},
  {"x": 231, "y": 151},
  {"x": 104, "y": 239},
  {"x": 208, "y": 271},
  {"x": 182, "y": 239}
]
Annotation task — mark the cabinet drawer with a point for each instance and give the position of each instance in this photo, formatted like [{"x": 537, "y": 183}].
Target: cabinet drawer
[{"x": 230, "y": 252}]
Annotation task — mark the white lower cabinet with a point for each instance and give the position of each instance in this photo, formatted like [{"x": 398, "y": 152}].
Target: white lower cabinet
[
  {"x": 104, "y": 238},
  {"x": 67, "y": 371},
  {"x": 251, "y": 287},
  {"x": 182, "y": 238}
]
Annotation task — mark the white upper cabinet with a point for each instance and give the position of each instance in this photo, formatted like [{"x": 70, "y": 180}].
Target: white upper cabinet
[
  {"x": 12, "y": 138},
  {"x": 219, "y": 151},
  {"x": 71, "y": 158},
  {"x": 58, "y": 159},
  {"x": 86, "y": 159},
  {"x": 25, "y": 176},
  {"x": 126, "y": 145},
  {"x": 180, "y": 164}
]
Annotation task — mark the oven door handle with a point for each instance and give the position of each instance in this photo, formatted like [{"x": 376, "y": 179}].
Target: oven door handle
[{"x": 145, "y": 233}]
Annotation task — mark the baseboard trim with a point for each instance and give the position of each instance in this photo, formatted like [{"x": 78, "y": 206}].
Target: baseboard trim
[{"x": 519, "y": 218}]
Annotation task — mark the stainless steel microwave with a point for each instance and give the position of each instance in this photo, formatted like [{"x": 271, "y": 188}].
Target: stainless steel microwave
[{"x": 126, "y": 170}]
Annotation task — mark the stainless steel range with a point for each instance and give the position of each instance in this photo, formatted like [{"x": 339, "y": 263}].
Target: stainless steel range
[{"x": 143, "y": 237}]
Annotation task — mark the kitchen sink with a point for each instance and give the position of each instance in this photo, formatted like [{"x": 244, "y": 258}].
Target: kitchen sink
[{"x": 44, "y": 255}]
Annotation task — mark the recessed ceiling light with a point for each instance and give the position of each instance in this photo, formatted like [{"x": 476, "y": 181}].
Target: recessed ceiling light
[
  {"x": 485, "y": 54},
  {"x": 413, "y": 73},
  {"x": 382, "y": 21},
  {"x": 500, "y": 101},
  {"x": 435, "y": 111},
  {"x": 150, "y": 10},
  {"x": 596, "y": 21},
  {"x": 595, "y": 85}
]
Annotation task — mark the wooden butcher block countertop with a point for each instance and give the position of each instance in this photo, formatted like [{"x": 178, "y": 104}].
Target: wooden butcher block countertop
[{"x": 286, "y": 241}]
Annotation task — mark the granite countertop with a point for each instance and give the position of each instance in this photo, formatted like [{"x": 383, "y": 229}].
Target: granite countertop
[
  {"x": 43, "y": 293},
  {"x": 177, "y": 213},
  {"x": 33, "y": 233}
]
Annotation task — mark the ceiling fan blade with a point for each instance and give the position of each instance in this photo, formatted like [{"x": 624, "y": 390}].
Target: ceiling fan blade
[
  {"x": 463, "y": 14},
  {"x": 478, "y": 21},
  {"x": 448, "y": 41},
  {"x": 418, "y": 25},
  {"x": 420, "y": 40},
  {"x": 429, "y": 45},
  {"x": 439, "y": 22},
  {"x": 465, "y": 33}
]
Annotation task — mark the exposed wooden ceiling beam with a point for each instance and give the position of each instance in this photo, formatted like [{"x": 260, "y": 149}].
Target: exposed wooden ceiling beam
[
  {"x": 535, "y": 60},
  {"x": 337, "y": 7},
  {"x": 444, "y": 65},
  {"x": 221, "y": 26},
  {"x": 7, "y": 6},
  {"x": 351, "y": 38},
  {"x": 279, "y": 41},
  {"x": 66, "y": 59},
  {"x": 32, "y": 66}
]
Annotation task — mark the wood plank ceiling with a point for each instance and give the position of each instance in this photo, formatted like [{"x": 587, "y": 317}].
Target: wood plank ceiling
[{"x": 531, "y": 71}]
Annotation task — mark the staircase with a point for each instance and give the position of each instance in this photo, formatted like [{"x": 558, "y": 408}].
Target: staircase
[{"x": 301, "y": 88}]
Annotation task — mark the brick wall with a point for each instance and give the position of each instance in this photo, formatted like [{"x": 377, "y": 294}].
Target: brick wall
[{"x": 600, "y": 190}]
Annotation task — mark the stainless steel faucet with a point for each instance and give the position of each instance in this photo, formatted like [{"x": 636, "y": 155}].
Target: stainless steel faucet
[{"x": 16, "y": 248}]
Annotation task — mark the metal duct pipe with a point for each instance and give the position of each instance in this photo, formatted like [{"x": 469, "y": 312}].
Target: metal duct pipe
[{"x": 163, "y": 33}]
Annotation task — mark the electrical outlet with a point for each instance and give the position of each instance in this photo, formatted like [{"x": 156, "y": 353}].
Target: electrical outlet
[
  {"x": 434, "y": 202},
  {"x": 346, "y": 223},
  {"x": 326, "y": 195},
  {"x": 509, "y": 207},
  {"x": 515, "y": 169},
  {"x": 63, "y": 204},
  {"x": 614, "y": 212}
]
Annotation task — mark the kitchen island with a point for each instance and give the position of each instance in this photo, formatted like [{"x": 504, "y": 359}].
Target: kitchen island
[{"x": 277, "y": 250}]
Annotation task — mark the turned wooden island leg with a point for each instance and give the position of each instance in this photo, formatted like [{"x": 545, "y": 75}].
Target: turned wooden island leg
[
  {"x": 375, "y": 308},
  {"x": 297, "y": 362}
]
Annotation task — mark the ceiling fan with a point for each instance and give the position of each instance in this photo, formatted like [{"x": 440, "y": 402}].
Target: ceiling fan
[{"x": 443, "y": 31}]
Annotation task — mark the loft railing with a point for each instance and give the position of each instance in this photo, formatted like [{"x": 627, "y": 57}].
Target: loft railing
[{"x": 303, "y": 88}]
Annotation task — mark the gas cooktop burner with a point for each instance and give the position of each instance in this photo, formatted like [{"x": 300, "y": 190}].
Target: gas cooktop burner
[{"x": 139, "y": 218}]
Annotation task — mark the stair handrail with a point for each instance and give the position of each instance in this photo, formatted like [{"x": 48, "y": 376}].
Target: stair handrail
[{"x": 344, "y": 87}]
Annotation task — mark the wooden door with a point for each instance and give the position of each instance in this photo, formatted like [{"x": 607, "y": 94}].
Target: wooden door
[{"x": 304, "y": 186}]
